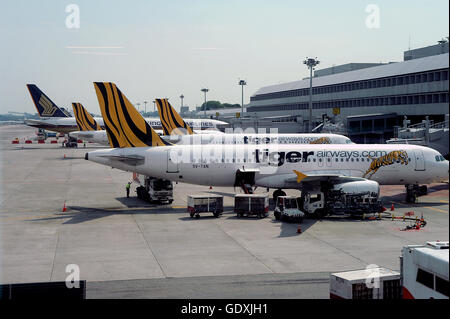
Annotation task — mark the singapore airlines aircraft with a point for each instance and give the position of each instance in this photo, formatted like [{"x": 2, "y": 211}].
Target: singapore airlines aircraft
[
  {"x": 53, "y": 119},
  {"x": 321, "y": 173}
]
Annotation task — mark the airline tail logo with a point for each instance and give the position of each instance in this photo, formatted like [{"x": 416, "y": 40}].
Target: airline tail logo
[
  {"x": 322, "y": 140},
  {"x": 85, "y": 121},
  {"x": 44, "y": 106},
  {"x": 385, "y": 160},
  {"x": 124, "y": 125},
  {"x": 49, "y": 108},
  {"x": 171, "y": 121}
]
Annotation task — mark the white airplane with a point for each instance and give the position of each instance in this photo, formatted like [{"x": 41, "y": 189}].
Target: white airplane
[
  {"x": 54, "y": 119},
  {"x": 323, "y": 174},
  {"x": 179, "y": 132}
]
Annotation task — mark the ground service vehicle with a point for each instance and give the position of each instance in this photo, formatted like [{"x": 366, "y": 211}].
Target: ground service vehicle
[
  {"x": 287, "y": 209},
  {"x": 369, "y": 283},
  {"x": 205, "y": 204},
  {"x": 424, "y": 271},
  {"x": 251, "y": 204},
  {"x": 154, "y": 189},
  {"x": 355, "y": 198}
]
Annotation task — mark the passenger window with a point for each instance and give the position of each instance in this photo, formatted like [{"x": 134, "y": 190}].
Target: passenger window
[
  {"x": 352, "y": 159},
  {"x": 442, "y": 286},
  {"x": 314, "y": 159},
  {"x": 357, "y": 159},
  {"x": 425, "y": 278}
]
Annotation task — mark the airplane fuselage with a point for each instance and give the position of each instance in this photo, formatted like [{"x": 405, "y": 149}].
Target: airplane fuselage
[
  {"x": 68, "y": 124},
  {"x": 273, "y": 165}
]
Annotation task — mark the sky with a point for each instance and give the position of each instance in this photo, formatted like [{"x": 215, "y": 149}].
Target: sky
[{"x": 157, "y": 49}]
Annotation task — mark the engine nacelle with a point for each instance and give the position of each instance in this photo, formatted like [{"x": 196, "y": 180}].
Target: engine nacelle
[{"x": 358, "y": 187}]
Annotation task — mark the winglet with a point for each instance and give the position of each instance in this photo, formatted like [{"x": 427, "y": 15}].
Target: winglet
[
  {"x": 171, "y": 121},
  {"x": 44, "y": 106},
  {"x": 300, "y": 176},
  {"x": 124, "y": 125},
  {"x": 85, "y": 121}
]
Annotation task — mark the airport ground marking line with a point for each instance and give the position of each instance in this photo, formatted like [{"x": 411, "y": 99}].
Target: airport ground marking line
[
  {"x": 428, "y": 207},
  {"x": 54, "y": 255},
  {"x": 148, "y": 245},
  {"x": 437, "y": 209},
  {"x": 248, "y": 251}
]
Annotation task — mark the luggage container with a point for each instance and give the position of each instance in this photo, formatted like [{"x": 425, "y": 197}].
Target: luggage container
[
  {"x": 251, "y": 204},
  {"x": 371, "y": 283},
  {"x": 205, "y": 204}
]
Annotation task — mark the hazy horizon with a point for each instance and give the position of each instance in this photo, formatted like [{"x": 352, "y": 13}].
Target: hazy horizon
[{"x": 154, "y": 49}]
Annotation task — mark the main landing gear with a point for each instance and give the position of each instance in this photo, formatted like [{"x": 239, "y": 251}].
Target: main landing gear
[{"x": 414, "y": 191}]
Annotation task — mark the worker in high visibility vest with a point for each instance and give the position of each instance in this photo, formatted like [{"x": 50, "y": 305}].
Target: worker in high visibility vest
[{"x": 127, "y": 187}]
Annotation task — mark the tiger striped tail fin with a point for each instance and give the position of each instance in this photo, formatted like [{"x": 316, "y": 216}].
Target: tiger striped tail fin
[
  {"x": 124, "y": 125},
  {"x": 85, "y": 121},
  {"x": 171, "y": 121}
]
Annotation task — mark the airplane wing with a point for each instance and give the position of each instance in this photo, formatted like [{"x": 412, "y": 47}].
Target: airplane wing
[
  {"x": 311, "y": 178},
  {"x": 38, "y": 122}
]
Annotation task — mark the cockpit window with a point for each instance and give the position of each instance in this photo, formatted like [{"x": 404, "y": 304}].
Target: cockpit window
[
  {"x": 438, "y": 159},
  {"x": 442, "y": 158},
  {"x": 349, "y": 142}
]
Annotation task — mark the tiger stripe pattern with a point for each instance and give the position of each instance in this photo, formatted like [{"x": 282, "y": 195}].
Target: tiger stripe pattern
[
  {"x": 85, "y": 121},
  {"x": 171, "y": 121},
  {"x": 124, "y": 125},
  {"x": 322, "y": 140},
  {"x": 385, "y": 160}
]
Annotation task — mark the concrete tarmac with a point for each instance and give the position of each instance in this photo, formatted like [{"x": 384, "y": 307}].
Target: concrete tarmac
[{"x": 127, "y": 248}]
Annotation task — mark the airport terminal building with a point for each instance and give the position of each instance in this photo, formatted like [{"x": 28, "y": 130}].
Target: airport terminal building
[{"x": 371, "y": 97}]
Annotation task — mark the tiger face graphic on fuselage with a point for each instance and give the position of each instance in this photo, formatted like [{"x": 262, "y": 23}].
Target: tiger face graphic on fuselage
[
  {"x": 322, "y": 140},
  {"x": 385, "y": 160}
]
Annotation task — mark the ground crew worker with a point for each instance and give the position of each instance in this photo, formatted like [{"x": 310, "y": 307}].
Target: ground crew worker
[{"x": 127, "y": 187}]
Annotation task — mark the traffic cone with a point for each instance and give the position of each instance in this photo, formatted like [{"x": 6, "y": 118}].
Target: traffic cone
[
  {"x": 64, "y": 155},
  {"x": 299, "y": 229},
  {"x": 64, "y": 207},
  {"x": 210, "y": 187},
  {"x": 392, "y": 207}
]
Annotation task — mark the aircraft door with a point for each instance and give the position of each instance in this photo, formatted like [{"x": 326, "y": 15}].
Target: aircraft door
[
  {"x": 172, "y": 162},
  {"x": 420, "y": 160}
]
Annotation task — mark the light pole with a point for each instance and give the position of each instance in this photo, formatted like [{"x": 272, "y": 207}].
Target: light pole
[
  {"x": 154, "y": 106},
  {"x": 204, "y": 90},
  {"x": 310, "y": 63},
  {"x": 145, "y": 107},
  {"x": 181, "y": 97},
  {"x": 242, "y": 83},
  {"x": 138, "y": 107}
]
